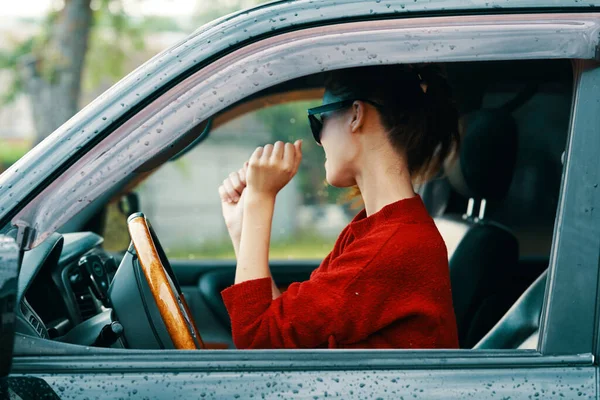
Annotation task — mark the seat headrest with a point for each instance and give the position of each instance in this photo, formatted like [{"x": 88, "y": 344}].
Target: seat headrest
[{"x": 485, "y": 165}]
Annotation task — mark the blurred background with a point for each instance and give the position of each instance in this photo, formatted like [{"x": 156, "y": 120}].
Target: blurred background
[{"x": 58, "y": 55}]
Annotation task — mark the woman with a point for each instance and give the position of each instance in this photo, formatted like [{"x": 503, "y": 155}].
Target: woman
[{"x": 386, "y": 283}]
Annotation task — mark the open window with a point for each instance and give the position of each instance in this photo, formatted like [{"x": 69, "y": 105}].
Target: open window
[{"x": 497, "y": 223}]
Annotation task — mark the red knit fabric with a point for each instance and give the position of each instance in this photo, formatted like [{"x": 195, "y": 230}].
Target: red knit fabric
[{"x": 385, "y": 284}]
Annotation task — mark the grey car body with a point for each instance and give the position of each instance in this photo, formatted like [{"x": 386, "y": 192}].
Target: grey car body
[{"x": 36, "y": 199}]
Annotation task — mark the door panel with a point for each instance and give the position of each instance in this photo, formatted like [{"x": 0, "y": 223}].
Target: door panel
[
  {"x": 202, "y": 282},
  {"x": 480, "y": 383}
]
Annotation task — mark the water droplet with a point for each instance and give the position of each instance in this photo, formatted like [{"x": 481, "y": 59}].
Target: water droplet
[{"x": 146, "y": 143}]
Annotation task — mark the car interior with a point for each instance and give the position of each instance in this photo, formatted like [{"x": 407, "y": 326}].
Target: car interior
[{"x": 494, "y": 203}]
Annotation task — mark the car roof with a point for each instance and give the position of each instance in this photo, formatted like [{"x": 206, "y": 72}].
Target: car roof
[
  {"x": 350, "y": 8},
  {"x": 28, "y": 176}
]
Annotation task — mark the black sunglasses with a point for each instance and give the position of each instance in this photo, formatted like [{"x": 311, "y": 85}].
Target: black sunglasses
[{"x": 316, "y": 124}]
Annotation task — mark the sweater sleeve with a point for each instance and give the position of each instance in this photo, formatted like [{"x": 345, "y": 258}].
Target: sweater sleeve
[{"x": 307, "y": 314}]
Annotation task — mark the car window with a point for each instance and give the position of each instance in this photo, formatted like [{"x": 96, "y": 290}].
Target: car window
[
  {"x": 182, "y": 201},
  {"x": 500, "y": 226}
]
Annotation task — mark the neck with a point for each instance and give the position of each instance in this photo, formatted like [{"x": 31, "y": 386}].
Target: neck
[{"x": 383, "y": 183}]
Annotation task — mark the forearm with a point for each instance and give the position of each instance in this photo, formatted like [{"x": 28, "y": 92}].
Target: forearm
[
  {"x": 253, "y": 252},
  {"x": 236, "y": 249},
  {"x": 235, "y": 241}
]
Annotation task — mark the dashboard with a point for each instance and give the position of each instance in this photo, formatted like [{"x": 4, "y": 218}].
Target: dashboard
[{"x": 63, "y": 282}]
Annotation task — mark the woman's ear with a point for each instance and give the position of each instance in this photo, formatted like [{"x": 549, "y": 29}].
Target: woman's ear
[{"x": 358, "y": 116}]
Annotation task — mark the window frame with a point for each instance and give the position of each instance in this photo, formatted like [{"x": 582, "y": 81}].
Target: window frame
[
  {"x": 554, "y": 349},
  {"x": 569, "y": 292}
]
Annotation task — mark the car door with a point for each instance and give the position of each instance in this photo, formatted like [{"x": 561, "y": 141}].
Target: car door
[{"x": 563, "y": 363}]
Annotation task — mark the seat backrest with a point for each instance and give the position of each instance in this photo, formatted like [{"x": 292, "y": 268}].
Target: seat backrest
[
  {"x": 482, "y": 255},
  {"x": 521, "y": 323},
  {"x": 482, "y": 267}
]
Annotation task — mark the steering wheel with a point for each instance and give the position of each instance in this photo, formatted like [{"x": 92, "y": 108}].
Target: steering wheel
[{"x": 163, "y": 284}]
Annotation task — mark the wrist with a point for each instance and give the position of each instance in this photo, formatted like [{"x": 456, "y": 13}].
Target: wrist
[
  {"x": 254, "y": 197},
  {"x": 235, "y": 234}
]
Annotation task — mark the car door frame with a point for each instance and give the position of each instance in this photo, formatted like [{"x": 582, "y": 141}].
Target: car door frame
[{"x": 560, "y": 352}]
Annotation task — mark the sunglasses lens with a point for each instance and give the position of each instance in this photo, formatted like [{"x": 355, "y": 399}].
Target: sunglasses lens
[{"x": 315, "y": 126}]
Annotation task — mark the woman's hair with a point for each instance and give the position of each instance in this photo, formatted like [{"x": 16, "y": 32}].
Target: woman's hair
[{"x": 418, "y": 111}]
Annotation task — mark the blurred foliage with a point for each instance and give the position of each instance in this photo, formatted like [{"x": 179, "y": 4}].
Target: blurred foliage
[
  {"x": 116, "y": 235},
  {"x": 302, "y": 245},
  {"x": 115, "y": 37},
  {"x": 155, "y": 23},
  {"x": 10, "y": 60},
  {"x": 11, "y": 151}
]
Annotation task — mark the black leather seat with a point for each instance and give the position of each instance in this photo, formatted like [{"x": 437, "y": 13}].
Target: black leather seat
[
  {"x": 519, "y": 328},
  {"x": 483, "y": 255}
]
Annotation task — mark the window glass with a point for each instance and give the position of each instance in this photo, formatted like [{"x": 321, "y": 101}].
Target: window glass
[{"x": 182, "y": 202}]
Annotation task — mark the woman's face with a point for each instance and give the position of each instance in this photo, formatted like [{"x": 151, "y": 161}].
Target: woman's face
[{"x": 341, "y": 148}]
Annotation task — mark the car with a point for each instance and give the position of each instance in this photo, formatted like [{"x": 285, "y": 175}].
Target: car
[{"x": 518, "y": 209}]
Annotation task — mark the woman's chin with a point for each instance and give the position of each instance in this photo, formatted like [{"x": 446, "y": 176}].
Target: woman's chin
[{"x": 339, "y": 182}]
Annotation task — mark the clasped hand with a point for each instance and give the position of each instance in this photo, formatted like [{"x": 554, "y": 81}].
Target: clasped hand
[{"x": 267, "y": 171}]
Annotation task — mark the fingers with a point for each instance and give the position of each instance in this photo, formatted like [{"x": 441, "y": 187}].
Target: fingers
[
  {"x": 289, "y": 157},
  {"x": 224, "y": 196},
  {"x": 290, "y": 154},
  {"x": 231, "y": 192},
  {"x": 268, "y": 150},
  {"x": 298, "y": 154},
  {"x": 236, "y": 182},
  {"x": 232, "y": 187},
  {"x": 278, "y": 150},
  {"x": 255, "y": 157}
]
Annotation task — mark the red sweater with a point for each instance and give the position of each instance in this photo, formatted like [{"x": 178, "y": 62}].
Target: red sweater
[{"x": 385, "y": 284}]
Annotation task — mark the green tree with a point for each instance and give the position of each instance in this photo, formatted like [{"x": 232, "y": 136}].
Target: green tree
[{"x": 49, "y": 68}]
